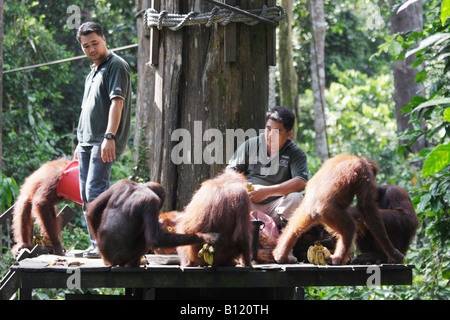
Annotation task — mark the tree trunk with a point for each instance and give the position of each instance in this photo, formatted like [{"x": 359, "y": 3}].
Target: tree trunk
[
  {"x": 193, "y": 88},
  {"x": 318, "y": 77},
  {"x": 1, "y": 83},
  {"x": 1, "y": 104},
  {"x": 288, "y": 75},
  {"x": 405, "y": 86}
]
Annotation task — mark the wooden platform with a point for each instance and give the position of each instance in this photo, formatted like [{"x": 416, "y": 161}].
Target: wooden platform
[{"x": 164, "y": 278}]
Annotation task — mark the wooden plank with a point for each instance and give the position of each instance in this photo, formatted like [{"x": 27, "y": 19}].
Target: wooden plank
[
  {"x": 25, "y": 293},
  {"x": 66, "y": 214},
  {"x": 271, "y": 40},
  {"x": 163, "y": 259},
  {"x": 277, "y": 281},
  {"x": 65, "y": 211},
  {"x": 176, "y": 277},
  {"x": 37, "y": 251},
  {"x": 230, "y": 49},
  {"x": 154, "y": 38},
  {"x": 6, "y": 215},
  {"x": 23, "y": 254},
  {"x": 43, "y": 263},
  {"x": 9, "y": 285}
]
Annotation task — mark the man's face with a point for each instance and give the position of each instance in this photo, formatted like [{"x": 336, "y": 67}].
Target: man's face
[
  {"x": 94, "y": 46},
  {"x": 276, "y": 136}
]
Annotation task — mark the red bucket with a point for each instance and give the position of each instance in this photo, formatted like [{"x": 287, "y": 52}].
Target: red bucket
[{"x": 69, "y": 184}]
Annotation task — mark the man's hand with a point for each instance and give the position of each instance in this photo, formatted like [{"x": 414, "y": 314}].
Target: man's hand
[
  {"x": 260, "y": 193},
  {"x": 108, "y": 150}
]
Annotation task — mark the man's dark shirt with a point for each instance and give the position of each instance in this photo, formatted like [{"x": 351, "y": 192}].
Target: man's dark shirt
[{"x": 249, "y": 160}]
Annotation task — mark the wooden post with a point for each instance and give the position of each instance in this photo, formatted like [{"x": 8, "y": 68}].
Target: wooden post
[
  {"x": 194, "y": 89},
  {"x": 230, "y": 38},
  {"x": 271, "y": 40},
  {"x": 154, "y": 38}
]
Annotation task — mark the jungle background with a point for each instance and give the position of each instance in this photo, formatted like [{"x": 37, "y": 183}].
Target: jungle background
[{"x": 40, "y": 109}]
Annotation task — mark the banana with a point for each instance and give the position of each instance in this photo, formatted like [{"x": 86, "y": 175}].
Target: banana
[
  {"x": 39, "y": 239},
  {"x": 327, "y": 255},
  {"x": 144, "y": 261},
  {"x": 207, "y": 252},
  {"x": 310, "y": 254},
  {"x": 318, "y": 255},
  {"x": 208, "y": 258},
  {"x": 320, "y": 258},
  {"x": 361, "y": 228}
]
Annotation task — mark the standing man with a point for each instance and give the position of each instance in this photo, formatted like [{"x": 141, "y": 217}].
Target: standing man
[
  {"x": 278, "y": 180},
  {"x": 104, "y": 124}
]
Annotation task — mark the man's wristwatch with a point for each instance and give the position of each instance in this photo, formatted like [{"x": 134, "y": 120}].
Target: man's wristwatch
[{"x": 109, "y": 136}]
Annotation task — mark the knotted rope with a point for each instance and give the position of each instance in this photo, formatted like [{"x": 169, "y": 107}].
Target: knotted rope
[{"x": 175, "y": 22}]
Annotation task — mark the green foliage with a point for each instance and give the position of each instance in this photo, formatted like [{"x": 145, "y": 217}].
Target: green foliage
[
  {"x": 28, "y": 135},
  {"x": 355, "y": 29},
  {"x": 41, "y": 106},
  {"x": 8, "y": 191},
  {"x": 41, "y": 109},
  {"x": 438, "y": 159},
  {"x": 433, "y": 203},
  {"x": 360, "y": 120},
  {"x": 75, "y": 237},
  {"x": 445, "y": 11}
]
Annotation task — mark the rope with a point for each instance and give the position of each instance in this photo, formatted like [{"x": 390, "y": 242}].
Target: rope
[
  {"x": 175, "y": 22},
  {"x": 64, "y": 60}
]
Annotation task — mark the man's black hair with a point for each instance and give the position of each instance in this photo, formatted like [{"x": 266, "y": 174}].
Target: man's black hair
[
  {"x": 283, "y": 115},
  {"x": 87, "y": 28}
]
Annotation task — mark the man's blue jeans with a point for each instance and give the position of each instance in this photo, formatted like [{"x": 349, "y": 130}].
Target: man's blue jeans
[{"x": 94, "y": 175}]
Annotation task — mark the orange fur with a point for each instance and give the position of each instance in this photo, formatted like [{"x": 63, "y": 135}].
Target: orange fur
[
  {"x": 220, "y": 205},
  {"x": 328, "y": 194},
  {"x": 400, "y": 220},
  {"x": 37, "y": 201},
  {"x": 168, "y": 221},
  {"x": 266, "y": 246},
  {"x": 124, "y": 221}
]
